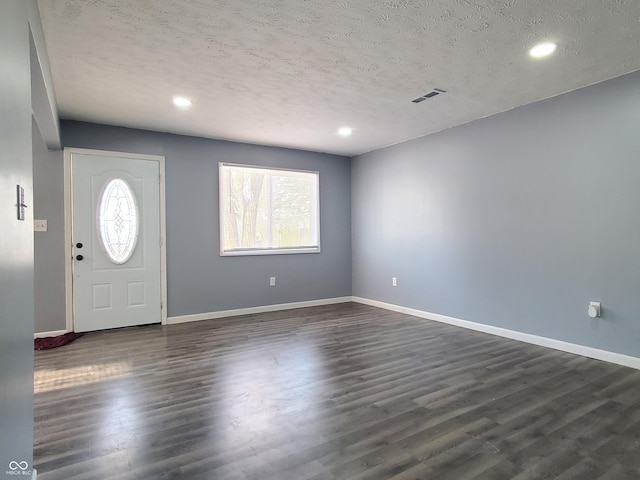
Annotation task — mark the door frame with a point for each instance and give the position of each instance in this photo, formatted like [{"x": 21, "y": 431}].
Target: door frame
[{"x": 68, "y": 241}]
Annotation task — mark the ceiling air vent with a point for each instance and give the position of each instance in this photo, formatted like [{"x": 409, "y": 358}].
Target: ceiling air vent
[{"x": 431, "y": 94}]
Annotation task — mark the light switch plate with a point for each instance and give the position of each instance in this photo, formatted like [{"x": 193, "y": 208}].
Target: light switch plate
[{"x": 39, "y": 225}]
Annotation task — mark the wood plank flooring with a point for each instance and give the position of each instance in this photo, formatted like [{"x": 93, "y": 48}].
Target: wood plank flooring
[{"x": 338, "y": 392}]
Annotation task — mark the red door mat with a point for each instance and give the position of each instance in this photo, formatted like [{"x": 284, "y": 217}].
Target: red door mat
[{"x": 53, "y": 342}]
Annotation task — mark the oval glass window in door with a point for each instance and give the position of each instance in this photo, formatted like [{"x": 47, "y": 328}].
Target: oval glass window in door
[{"x": 117, "y": 219}]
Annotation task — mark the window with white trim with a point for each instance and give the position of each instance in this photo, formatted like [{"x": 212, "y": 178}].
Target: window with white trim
[{"x": 268, "y": 210}]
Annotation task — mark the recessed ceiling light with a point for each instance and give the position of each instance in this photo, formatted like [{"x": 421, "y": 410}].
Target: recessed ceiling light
[
  {"x": 345, "y": 131},
  {"x": 181, "y": 102},
  {"x": 543, "y": 49}
]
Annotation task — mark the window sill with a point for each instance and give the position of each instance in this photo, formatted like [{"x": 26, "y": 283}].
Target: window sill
[{"x": 268, "y": 251}]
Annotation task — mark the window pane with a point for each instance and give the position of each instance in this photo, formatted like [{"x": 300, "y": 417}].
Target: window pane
[
  {"x": 117, "y": 220},
  {"x": 291, "y": 207},
  {"x": 263, "y": 210},
  {"x": 245, "y": 205}
]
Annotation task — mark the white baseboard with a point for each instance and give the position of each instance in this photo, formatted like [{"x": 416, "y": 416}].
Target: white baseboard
[
  {"x": 54, "y": 333},
  {"x": 612, "y": 357},
  {"x": 252, "y": 310}
]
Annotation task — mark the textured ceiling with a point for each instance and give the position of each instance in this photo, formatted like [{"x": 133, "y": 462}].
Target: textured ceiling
[{"x": 291, "y": 72}]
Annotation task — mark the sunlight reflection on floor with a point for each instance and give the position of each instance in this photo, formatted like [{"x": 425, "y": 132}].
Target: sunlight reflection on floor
[{"x": 47, "y": 380}]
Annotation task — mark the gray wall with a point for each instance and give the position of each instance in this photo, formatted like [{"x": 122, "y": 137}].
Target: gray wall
[
  {"x": 516, "y": 221},
  {"x": 16, "y": 240},
  {"x": 198, "y": 279},
  {"x": 48, "y": 204}
]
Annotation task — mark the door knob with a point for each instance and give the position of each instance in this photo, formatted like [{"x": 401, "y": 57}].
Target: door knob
[
  {"x": 79, "y": 257},
  {"x": 78, "y": 245}
]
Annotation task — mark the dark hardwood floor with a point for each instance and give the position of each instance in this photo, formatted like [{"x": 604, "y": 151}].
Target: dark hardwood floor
[{"x": 338, "y": 392}]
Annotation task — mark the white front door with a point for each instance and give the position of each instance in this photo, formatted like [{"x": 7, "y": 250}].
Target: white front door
[{"x": 116, "y": 241}]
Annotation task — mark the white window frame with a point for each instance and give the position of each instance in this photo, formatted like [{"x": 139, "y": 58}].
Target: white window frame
[{"x": 267, "y": 251}]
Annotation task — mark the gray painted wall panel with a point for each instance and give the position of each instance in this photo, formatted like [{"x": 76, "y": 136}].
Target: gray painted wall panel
[
  {"x": 16, "y": 240},
  {"x": 516, "y": 221},
  {"x": 48, "y": 205},
  {"x": 198, "y": 279}
]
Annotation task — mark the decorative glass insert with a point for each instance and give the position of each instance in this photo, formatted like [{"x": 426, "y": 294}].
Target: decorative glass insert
[{"x": 118, "y": 220}]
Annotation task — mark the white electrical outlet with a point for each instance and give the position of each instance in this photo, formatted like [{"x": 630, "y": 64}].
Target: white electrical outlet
[
  {"x": 394, "y": 281},
  {"x": 272, "y": 281}
]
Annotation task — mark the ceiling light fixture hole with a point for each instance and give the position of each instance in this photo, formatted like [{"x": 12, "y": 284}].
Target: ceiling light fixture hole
[
  {"x": 345, "y": 131},
  {"x": 543, "y": 49},
  {"x": 181, "y": 102}
]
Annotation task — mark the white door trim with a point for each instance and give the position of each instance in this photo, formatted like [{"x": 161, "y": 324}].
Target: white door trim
[{"x": 68, "y": 242}]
